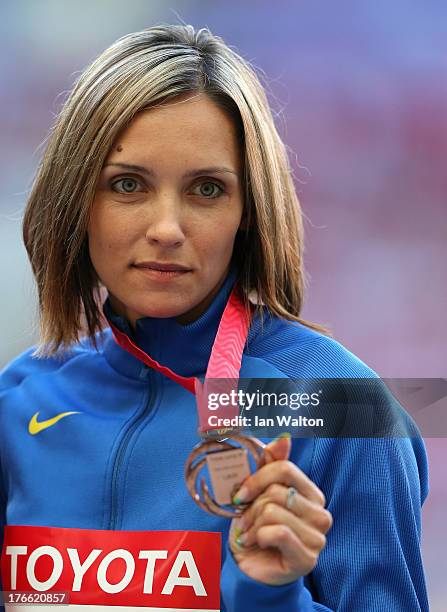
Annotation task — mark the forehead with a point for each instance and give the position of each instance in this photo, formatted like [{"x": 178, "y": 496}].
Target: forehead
[{"x": 187, "y": 125}]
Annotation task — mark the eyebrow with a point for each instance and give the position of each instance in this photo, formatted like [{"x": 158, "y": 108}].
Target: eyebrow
[{"x": 192, "y": 173}]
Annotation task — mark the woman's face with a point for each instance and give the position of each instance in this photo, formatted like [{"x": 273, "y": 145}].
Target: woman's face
[{"x": 166, "y": 211}]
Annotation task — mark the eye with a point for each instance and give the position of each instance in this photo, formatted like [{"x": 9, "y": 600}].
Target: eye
[
  {"x": 209, "y": 189},
  {"x": 127, "y": 185}
]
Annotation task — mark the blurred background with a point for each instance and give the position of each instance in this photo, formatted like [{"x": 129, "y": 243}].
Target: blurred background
[{"x": 360, "y": 93}]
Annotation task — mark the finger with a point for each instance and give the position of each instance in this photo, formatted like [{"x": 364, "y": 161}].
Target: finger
[
  {"x": 283, "y": 472},
  {"x": 295, "y": 555},
  {"x": 279, "y": 448},
  {"x": 273, "y": 514},
  {"x": 312, "y": 513}
]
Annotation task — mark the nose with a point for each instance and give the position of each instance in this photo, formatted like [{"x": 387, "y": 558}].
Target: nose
[{"x": 164, "y": 227}]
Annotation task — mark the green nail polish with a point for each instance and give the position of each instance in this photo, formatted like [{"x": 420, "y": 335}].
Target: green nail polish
[
  {"x": 241, "y": 497},
  {"x": 284, "y": 434}
]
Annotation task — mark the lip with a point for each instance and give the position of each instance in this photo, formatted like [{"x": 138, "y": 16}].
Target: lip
[
  {"x": 162, "y": 267},
  {"x": 162, "y": 272}
]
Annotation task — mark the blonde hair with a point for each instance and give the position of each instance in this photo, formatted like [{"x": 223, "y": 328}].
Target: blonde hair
[{"x": 136, "y": 72}]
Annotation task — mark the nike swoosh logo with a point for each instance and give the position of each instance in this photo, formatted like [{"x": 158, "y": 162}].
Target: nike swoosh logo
[{"x": 35, "y": 426}]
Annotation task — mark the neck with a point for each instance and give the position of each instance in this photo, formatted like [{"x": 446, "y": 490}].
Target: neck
[{"x": 183, "y": 346}]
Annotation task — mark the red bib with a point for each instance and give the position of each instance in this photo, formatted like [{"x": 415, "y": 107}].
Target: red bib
[{"x": 98, "y": 569}]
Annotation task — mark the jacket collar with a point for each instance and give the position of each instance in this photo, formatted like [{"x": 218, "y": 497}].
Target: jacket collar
[{"x": 185, "y": 349}]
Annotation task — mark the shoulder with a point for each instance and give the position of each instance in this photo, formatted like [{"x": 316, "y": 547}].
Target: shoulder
[
  {"x": 27, "y": 364},
  {"x": 296, "y": 350}
]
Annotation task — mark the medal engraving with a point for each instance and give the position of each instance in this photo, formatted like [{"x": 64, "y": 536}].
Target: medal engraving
[{"x": 228, "y": 467}]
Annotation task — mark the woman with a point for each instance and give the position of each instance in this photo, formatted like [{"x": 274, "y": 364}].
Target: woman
[{"x": 165, "y": 183}]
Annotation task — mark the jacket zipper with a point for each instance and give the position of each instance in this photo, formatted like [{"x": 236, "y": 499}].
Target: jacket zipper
[{"x": 117, "y": 467}]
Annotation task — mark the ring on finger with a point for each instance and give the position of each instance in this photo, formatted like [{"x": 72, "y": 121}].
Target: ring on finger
[{"x": 291, "y": 494}]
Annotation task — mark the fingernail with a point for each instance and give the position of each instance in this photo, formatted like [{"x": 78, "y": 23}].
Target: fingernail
[
  {"x": 241, "y": 496},
  {"x": 284, "y": 434},
  {"x": 238, "y": 534},
  {"x": 242, "y": 524}
]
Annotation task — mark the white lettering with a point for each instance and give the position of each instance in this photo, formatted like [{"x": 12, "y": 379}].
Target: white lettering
[
  {"x": 58, "y": 565},
  {"x": 15, "y": 551},
  {"x": 151, "y": 556},
  {"x": 184, "y": 557},
  {"x": 80, "y": 569},
  {"x": 184, "y": 563},
  {"x": 120, "y": 553},
  {"x": 250, "y": 401}
]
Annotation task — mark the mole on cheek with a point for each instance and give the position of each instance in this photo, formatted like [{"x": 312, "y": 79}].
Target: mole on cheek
[{"x": 119, "y": 148}]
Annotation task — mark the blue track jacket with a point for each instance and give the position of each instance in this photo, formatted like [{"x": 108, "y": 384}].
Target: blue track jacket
[{"x": 117, "y": 464}]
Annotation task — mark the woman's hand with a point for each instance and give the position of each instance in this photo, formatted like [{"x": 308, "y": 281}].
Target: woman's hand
[{"x": 281, "y": 534}]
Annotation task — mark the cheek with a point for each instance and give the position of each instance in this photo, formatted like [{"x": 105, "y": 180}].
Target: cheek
[
  {"x": 106, "y": 235},
  {"x": 229, "y": 232},
  {"x": 217, "y": 232},
  {"x": 216, "y": 243}
]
